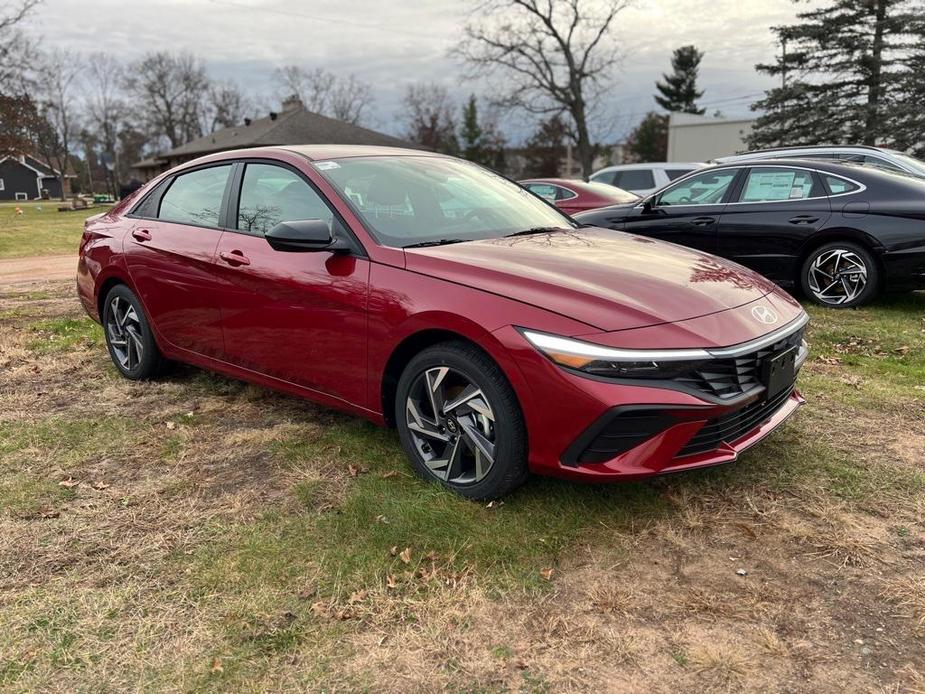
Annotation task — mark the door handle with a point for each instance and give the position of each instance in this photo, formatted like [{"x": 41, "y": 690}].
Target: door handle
[
  {"x": 703, "y": 221},
  {"x": 804, "y": 219},
  {"x": 234, "y": 258},
  {"x": 141, "y": 234}
]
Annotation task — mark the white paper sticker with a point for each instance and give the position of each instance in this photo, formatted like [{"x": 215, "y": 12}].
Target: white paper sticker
[{"x": 325, "y": 165}]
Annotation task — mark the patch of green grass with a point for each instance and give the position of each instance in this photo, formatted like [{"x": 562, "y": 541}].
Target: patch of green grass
[
  {"x": 41, "y": 229},
  {"x": 66, "y": 442},
  {"x": 64, "y": 334},
  {"x": 23, "y": 495}
]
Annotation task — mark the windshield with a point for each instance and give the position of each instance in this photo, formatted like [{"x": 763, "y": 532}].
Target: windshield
[{"x": 409, "y": 200}]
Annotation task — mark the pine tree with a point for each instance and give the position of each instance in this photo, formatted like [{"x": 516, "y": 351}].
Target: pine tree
[
  {"x": 545, "y": 149},
  {"x": 679, "y": 90},
  {"x": 649, "y": 140},
  {"x": 841, "y": 73},
  {"x": 471, "y": 132}
]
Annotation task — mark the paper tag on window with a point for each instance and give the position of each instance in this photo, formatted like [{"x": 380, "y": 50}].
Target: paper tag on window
[
  {"x": 796, "y": 192},
  {"x": 325, "y": 165}
]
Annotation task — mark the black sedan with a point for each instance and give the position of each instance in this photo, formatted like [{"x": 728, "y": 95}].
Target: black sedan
[{"x": 840, "y": 232}]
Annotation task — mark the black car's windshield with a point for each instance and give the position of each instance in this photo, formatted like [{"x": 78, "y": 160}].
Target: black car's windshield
[{"x": 415, "y": 200}]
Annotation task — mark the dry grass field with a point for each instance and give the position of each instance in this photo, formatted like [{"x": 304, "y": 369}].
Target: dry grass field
[{"x": 197, "y": 533}]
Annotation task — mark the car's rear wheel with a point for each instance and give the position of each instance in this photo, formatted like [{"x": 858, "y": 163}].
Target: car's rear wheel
[
  {"x": 460, "y": 423},
  {"x": 840, "y": 275},
  {"x": 128, "y": 335}
]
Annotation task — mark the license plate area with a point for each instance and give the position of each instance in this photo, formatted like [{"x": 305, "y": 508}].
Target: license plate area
[{"x": 778, "y": 372}]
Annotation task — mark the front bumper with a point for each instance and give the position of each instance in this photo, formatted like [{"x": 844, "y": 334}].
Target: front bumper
[{"x": 670, "y": 429}]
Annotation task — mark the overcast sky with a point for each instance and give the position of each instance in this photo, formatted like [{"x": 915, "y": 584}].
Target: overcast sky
[{"x": 391, "y": 43}]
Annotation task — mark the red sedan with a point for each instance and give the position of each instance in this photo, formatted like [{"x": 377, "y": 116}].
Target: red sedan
[
  {"x": 429, "y": 294},
  {"x": 578, "y": 196}
]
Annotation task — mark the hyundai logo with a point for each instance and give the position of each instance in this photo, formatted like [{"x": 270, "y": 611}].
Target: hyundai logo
[{"x": 765, "y": 315}]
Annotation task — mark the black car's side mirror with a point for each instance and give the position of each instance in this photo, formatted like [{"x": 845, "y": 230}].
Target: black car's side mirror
[
  {"x": 647, "y": 206},
  {"x": 303, "y": 235}
]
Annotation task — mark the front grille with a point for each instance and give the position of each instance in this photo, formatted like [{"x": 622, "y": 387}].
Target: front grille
[
  {"x": 732, "y": 426},
  {"x": 733, "y": 376}
]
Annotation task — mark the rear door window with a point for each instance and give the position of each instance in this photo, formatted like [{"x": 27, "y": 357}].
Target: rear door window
[
  {"x": 635, "y": 179},
  {"x": 196, "y": 197},
  {"x": 674, "y": 174},
  {"x": 774, "y": 184}
]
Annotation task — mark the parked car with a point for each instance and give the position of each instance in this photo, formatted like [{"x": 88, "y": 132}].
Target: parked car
[
  {"x": 881, "y": 157},
  {"x": 839, "y": 232},
  {"x": 427, "y": 293},
  {"x": 643, "y": 179},
  {"x": 577, "y": 196}
]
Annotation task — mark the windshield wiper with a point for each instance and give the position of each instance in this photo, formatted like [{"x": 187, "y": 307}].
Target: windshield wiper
[
  {"x": 439, "y": 242},
  {"x": 536, "y": 230}
]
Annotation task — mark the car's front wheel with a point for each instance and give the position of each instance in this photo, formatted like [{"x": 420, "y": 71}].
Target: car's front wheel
[
  {"x": 460, "y": 423},
  {"x": 128, "y": 335},
  {"x": 840, "y": 275}
]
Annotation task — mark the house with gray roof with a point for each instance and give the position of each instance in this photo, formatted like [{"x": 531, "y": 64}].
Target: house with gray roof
[{"x": 294, "y": 125}]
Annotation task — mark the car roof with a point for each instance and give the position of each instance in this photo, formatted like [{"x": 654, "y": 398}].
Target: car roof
[{"x": 654, "y": 165}]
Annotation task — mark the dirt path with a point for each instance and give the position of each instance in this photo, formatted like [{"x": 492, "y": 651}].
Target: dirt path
[{"x": 38, "y": 268}]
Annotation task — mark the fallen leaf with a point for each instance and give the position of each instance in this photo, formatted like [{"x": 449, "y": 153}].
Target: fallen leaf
[
  {"x": 216, "y": 666},
  {"x": 494, "y": 504},
  {"x": 353, "y": 470},
  {"x": 358, "y": 596},
  {"x": 382, "y": 519},
  {"x": 171, "y": 425},
  {"x": 69, "y": 483},
  {"x": 391, "y": 581},
  {"x": 100, "y": 485},
  {"x": 547, "y": 573},
  {"x": 321, "y": 609},
  {"x": 393, "y": 550},
  {"x": 390, "y": 474},
  {"x": 49, "y": 513},
  {"x": 405, "y": 555}
]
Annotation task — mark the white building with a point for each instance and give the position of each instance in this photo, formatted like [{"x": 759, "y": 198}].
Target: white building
[{"x": 701, "y": 138}]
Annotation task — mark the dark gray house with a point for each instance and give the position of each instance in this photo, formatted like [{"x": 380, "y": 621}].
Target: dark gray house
[
  {"x": 294, "y": 125},
  {"x": 26, "y": 178}
]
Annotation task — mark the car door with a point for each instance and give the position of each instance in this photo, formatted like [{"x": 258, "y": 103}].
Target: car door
[
  {"x": 776, "y": 210},
  {"x": 688, "y": 212},
  {"x": 170, "y": 251},
  {"x": 296, "y": 316}
]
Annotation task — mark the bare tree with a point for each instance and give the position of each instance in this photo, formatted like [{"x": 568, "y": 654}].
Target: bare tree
[
  {"x": 227, "y": 105},
  {"x": 57, "y": 80},
  {"x": 106, "y": 109},
  {"x": 170, "y": 92},
  {"x": 554, "y": 56},
  {"x": 16, "y": 49},
  {"x": 321, "y": 91},
  {"x": 429, "y": 113}
]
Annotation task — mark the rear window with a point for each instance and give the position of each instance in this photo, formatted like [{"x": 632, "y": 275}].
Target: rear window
[{"x": 635, "y": 179}]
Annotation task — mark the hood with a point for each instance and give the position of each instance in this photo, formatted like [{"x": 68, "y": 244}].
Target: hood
[{"x": 606, "y": 279}]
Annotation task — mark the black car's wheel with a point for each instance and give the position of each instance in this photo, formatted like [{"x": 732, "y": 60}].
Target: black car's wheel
[
  {"x": 128, "y": 335},
  {"x": 840, "y": 274},
  {"x": 460, "y": 423}
]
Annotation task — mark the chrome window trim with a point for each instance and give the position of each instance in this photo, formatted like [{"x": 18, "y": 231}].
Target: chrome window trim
[
  {"x": 861, "y": 187},
  {"x": 761, "y": 342}
]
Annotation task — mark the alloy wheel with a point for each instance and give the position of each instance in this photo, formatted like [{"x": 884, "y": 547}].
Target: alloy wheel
[
  {"x": 123, "y": 328},
  {"x": 452, "y": 425},
  {"x": 837, "y": 276}
]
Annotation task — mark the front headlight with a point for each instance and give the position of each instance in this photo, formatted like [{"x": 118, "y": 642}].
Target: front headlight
[{"x": 610, "y": 362}]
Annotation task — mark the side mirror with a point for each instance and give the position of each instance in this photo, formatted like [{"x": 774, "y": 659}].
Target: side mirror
[
  {"x": 647, "y": 206},
  {"x": 302, "y": 235}
]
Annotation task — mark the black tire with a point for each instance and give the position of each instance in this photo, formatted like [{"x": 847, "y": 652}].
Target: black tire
[
  {"x": 136, "y": 342},
  {"x": 508, "y": 469},
  {"x": 841, "y": 297}
]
